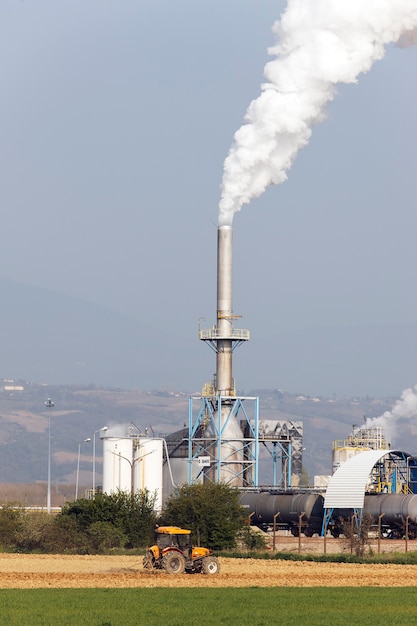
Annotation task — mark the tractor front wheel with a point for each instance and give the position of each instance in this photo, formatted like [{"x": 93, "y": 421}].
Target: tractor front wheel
[
  {"x": 210, "y": 565},
  {"x": 147, "y": 561},
  {"x": 174, "y": 563}
]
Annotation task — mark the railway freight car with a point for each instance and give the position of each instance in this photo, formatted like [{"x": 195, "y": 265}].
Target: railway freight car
[
  {"x": 304, "y": 512},
  {"x": 294, "y": 512}
]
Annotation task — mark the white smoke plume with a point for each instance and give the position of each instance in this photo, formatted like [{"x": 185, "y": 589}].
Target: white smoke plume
[
  {"x": 407, "y": 39},
  {"x": 393, "y": 421},
  {"x": 320, "y": 43}
]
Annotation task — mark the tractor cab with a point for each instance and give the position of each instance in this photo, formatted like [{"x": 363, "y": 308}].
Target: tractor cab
[{"x": 173, "y": 537}]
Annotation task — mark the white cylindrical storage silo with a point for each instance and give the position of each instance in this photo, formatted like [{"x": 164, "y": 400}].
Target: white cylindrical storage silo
[
  {"x": 147, "y": 467},
  {"x": 117, "y": 464}
]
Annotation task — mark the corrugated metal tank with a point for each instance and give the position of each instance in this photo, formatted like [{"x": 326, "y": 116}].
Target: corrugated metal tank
[
  {"x": 179, "y": 469},
  {"x": 147, "y": 467},
  {"x": 178, "y": 474},
  {"x": 117, "y": 459}
]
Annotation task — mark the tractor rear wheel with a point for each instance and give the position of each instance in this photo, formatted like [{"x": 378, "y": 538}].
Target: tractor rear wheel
[
  {"x": 174, "y": 563},
  {"x": 210, "y": 565}
]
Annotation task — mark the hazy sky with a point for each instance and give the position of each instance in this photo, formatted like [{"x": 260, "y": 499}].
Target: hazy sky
[{"x": 115, "y": 120}]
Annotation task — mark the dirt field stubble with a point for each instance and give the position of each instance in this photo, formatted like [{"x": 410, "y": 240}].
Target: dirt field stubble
[{"x": 57, "y": 571}]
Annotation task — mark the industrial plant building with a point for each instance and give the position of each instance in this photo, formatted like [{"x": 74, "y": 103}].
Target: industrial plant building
[{"x": 226, "y": 441}]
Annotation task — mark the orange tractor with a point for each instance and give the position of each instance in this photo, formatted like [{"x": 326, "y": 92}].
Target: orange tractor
[{"x": 174, "y": 552}]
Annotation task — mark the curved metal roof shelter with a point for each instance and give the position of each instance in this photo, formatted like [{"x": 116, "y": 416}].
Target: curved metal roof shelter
[{"x": 347, "y": 486}]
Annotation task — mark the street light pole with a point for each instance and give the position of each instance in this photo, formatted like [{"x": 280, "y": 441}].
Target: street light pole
[
  {"x": 132, "y": 467},
  {"x": 132, "y": 471},
  {"x": 78, "y": 464},
  {"x": 49, "y": 405},
  {"x": 94, "y": 457}
]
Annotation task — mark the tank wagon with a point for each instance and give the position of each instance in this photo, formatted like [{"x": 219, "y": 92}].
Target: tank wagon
[
  {"x": 397, "y": 514},
  {"x": 293, "y": 512},
  {"x": 304, "y": 512}
]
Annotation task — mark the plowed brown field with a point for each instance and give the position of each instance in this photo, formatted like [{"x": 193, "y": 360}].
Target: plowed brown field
[{"x": 35, "y": 571}]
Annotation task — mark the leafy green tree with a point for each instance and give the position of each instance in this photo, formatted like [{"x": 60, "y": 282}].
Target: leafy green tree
[
  {"x": 139, "y": 518},
  {"x": 104, "y": 536},
  {"x": 211, "y": 511}
]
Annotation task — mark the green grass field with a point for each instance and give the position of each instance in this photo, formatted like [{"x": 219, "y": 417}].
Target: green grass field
[{"x": 176, "y": 607}]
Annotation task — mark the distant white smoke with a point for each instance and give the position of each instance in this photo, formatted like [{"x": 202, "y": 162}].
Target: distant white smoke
[
  {"x": 320, "y": 43},
  {"x": 404, "y": 409},
  {"x": 118, "y": 430}
]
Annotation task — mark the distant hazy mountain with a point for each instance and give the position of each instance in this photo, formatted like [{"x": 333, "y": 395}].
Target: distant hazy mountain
[{"x": 79, "y": 412}]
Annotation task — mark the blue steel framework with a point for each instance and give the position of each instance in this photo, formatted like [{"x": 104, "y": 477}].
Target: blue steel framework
[
  {"x": 207, "y": 459},
  {"x": 281, "y": 440},
  {"x": 281, "y": 453}
]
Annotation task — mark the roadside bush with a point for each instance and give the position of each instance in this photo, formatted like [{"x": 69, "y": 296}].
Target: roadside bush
[
  {"x": 252, "y": 539},
  {"x": 10, "y": 523},
  {"x": 131, "y": 516},
  {"x": 120, "y": 520},
  {"x": 33, "y": 528},
  {"x": 357, "y": 538},
  {"x": 65, "y": 536}
]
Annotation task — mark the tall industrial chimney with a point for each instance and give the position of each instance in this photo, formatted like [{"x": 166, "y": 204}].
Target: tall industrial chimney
[
  {"x": 224, "y": 338},
  {"x": 224, "y": 370}
]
